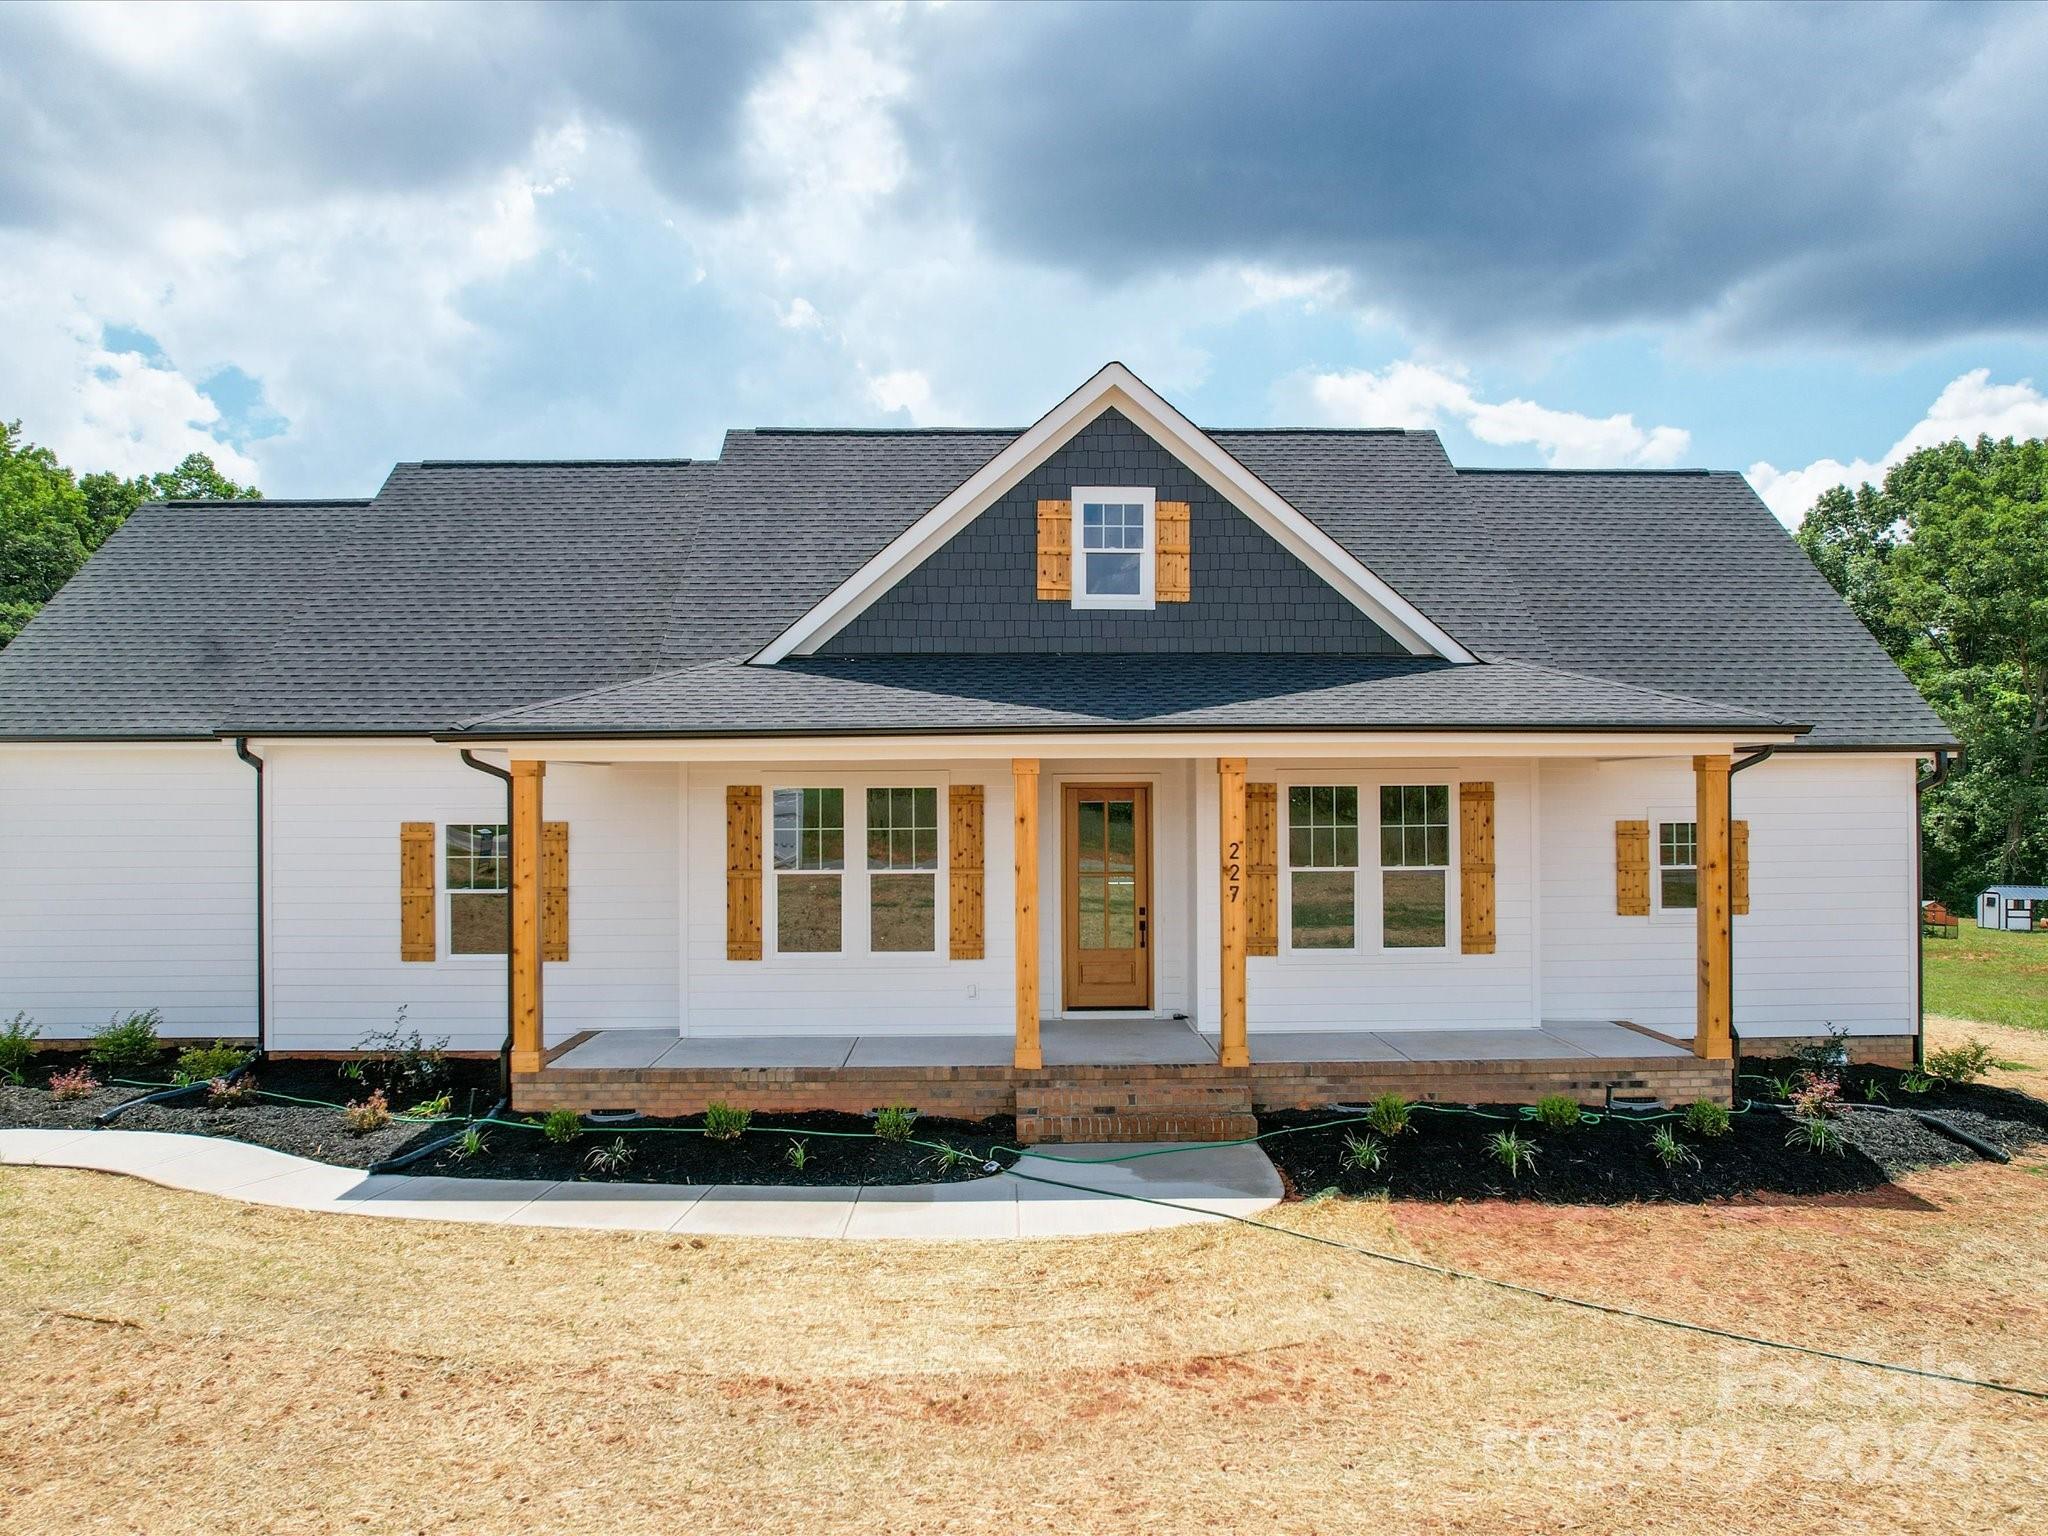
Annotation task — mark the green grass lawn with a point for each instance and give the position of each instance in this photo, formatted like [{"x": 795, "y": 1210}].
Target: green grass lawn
[{"x": 1999, "y": 978}]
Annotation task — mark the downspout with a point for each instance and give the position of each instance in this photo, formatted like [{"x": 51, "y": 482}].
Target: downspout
[
  {"x": 1734, "y": 1034},
  {"x": 262, "y": 915},
  {"x": 1943, "y": 762},
  {"x": 505, "y": 1050}
]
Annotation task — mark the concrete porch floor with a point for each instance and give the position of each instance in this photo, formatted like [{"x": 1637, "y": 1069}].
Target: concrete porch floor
[{"x": 1111, "y": 1043}]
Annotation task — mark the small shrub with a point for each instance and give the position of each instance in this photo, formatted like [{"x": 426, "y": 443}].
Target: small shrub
[
  {"x": 1827, "y": 1054},
  {"x": 797, "y": 1154},
  {"x": 470, "y": 1143},
  {"x": 1388, "y": 1114},
  {"x": 1815, "y": 1134},
  {"x": 1916, "y": 1082},
  {"x": 429, "y": 1109},
  {"x": 1363, "y": 1154},
  {"x": 723, "y": 1122},
  {"x": 1672, "y": 1152},
  {"x": 562, "y": 1126},
  {"x": 1513, "y": 1151},
  {"x": 894, "y": 1123},
  {"x": 1819, "y": 1098},
  {"x": 1963, "y": 1063},
  {"x": 400, "y": 1061},
  {"x": 203, "y": 1063},
  {"x": 225, "y": 1095},
  {"x": 127, "y": 1045},
  {"x": 1558, "y": 1112},
  {"x": 75, "y": 1084},
  {"x": 1703, "y": 1117},
  {"x": 367, "y": 1115},
  {"x": 612, "y": 1160},
  {"x": 17, "y": 1048}
]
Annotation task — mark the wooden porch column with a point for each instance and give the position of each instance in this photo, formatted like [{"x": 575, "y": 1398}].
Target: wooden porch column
[
  {"x": 1713, "y": 1036},
  {"x": 1236, "y": 895},
  {"x": 1024, "y": 843},
  {"x": 526, "y": 992}
]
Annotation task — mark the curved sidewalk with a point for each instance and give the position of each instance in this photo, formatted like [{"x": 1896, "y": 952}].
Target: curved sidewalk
[{"x": 1202, "y": 1184}]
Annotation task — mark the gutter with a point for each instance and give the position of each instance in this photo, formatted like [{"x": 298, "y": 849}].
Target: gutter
[
  {"x": 1944, "y": 762},
  {"x": 505, "y": 1050},
  {"x": 1734, "y": 1034},
  {"x": 262, "y": 959}
]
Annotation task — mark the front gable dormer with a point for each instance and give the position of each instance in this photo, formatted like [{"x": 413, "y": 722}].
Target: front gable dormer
[{"x": 1113, "y": 524}]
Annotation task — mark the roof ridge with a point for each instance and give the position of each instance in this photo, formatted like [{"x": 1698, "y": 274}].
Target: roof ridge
[
  {"x": 545, "y": 463},
  {"x": 1510, "y": 469}
]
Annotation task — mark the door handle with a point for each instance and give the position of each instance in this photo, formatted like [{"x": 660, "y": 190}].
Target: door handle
[{"x": 1141, "y": 927}]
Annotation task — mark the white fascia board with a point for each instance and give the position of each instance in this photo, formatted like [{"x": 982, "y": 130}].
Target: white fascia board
[{"x": 1115, "y": 386}]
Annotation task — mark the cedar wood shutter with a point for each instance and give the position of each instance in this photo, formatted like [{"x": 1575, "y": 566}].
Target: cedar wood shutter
[
  {"x": 965, "y": 916},
  {"x": 554, "y": 890},
  {"x": 1632, "y": 868},
  {"x": 1170, "y": 578},
  {"x": 416, "y": 890},
  {"x": 1738, "y": 867},
  {"x": 743, "y": 872},
  {"x": 1055, "y": 551},
  {"x": 1475, "y": 868},
  {"x": 1262, "y": 865}
]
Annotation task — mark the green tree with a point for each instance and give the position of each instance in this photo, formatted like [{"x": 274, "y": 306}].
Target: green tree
[
  {"x": 1947, "y": 563},
  {"x": 51, "y": 520}
]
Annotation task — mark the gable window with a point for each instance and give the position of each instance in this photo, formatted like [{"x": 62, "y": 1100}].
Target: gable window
[
  {"x": 478, "y": 876},
  {"x": 810, "y": 855},
  {"x": 1415, "y": 859},
  {"x": 1678, "y": 861},
  {"x": 1114, "y": 546},
  {"x": 1322, "y": 858},
  {"x": 903, "y": 863}
]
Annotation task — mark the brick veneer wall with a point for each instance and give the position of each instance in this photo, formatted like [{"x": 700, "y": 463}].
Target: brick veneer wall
[
  {"x": 1867, "y": 1050},
  {"x": 1135, "y": 1103}
]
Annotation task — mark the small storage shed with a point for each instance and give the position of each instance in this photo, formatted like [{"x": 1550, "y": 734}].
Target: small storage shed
[{"x": 2016, "y": 908}]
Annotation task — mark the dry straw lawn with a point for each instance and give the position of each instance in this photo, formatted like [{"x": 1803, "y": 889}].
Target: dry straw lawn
[{"x": 181, "y": 1363}]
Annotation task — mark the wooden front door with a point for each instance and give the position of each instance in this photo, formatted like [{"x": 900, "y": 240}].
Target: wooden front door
[{"x": 1106, "y": 910}]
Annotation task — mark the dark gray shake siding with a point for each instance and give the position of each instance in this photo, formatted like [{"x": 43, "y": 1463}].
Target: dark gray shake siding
[{"x": 979, "y": 591}]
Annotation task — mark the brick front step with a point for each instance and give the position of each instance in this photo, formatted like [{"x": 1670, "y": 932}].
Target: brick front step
[{"x": 1134, "y": 1104}]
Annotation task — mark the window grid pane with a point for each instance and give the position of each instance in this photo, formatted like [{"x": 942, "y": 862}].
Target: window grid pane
[
  {"x": 1678, "y": 843},
  {"x": 1415, "y": 826},
  {"x": 479, "y": 857},
  {"x": 810, "y": 829},
  {"x": 1322, "y": 826},
  {"x": 903, "y": 829}
]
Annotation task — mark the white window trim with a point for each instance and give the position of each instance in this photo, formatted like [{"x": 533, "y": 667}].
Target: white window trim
[
  {"x": 1148, "y": 557},
  {"x": 1369, "y": 892},
  {"x": 1658, "y": 818},
  {"x": 854, "y": 874},
  {"x": 445, "y": 939}
]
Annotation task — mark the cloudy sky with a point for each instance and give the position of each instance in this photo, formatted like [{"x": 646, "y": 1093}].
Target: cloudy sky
[{"x": 314, "y": 240}]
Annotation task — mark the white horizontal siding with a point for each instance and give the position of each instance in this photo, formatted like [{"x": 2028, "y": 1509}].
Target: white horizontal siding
[
  {"x": 127, "y": 881},
  {"x": 1828, "y": 938},
  {"x": 335, "y": 971}
]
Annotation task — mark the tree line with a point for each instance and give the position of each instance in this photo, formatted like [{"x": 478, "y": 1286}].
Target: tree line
[
  {"x": 51, "y": 519},
  {"x": 1946, "y": 563}
]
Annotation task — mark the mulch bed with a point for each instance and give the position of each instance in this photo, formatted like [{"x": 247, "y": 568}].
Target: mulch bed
[
  {"x": 664, "y": 1154},
  {"x": 2009, "y": 1120}
]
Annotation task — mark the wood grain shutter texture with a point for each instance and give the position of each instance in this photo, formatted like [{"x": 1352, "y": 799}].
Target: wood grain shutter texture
[
  {"x": 966, "y": 916},
  {"x": 1475, "y": 869},
  {"x": 1632, "y": 868},
  {"x": 1738, "y": 868},
  {"x": 416, "y": 891},
  {"x": 743, "y": 872},
  {"x": 1262, "y": 868},
  {"x": 1170, "y": 579},
  {"x": 554, "y": 890},
  {"x": 1055, "y": 551}
]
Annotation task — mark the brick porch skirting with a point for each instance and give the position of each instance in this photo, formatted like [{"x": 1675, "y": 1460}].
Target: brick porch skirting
[
  {"x": 1864, "y": 1050},
  {"x": 1124, "y": 1103}
]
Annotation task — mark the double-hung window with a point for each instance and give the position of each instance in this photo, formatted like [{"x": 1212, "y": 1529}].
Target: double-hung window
[
  {"x": 903, "y": 864},
  {"x": 1678, "y": 865},
  {"x": 477, "y": 871},
  {"x": 1322, "y": 860},
  {"x": 1114, "y": 543},
  {"x": 1415, "y": 859},
  {"x": 810, "y": 858}
]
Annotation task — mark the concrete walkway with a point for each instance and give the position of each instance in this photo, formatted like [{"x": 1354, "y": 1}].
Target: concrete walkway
[{"x": 1203, "y": 1184}]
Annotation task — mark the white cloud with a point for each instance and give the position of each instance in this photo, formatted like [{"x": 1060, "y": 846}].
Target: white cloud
[
  {"x": 904, "y": 390},
  {"x": 1412, "y": 394},
  {"x": 133, "y": 417},
  {"x": 1970, "y": 407}
]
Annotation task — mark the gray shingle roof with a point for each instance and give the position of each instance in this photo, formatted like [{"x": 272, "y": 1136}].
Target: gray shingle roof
[
  {"x": 1064, "y": 692},
  {"x": 464, "y": 590}
]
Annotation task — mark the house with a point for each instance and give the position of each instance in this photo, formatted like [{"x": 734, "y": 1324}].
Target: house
[
  {"x": 1121, "y": 774},
  {"x": 2014, "y": 908}
]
